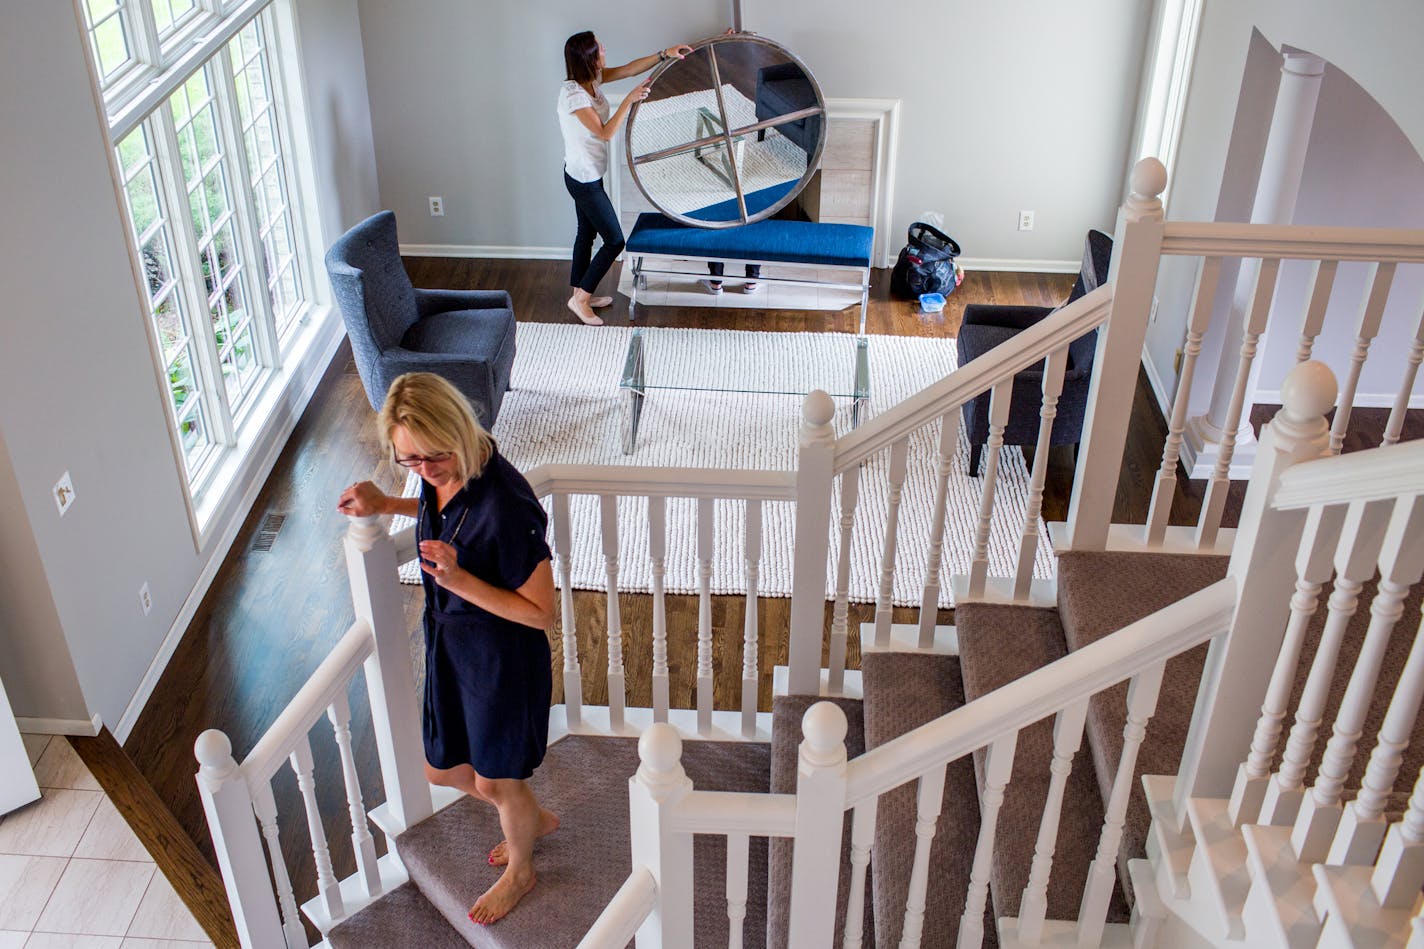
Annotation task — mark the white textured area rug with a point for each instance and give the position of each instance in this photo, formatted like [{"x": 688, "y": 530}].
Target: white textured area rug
[{"x": 566, "y": 408}]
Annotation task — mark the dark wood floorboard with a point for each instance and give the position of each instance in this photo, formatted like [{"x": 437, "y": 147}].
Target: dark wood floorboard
[{"x": 270, "y": 617}]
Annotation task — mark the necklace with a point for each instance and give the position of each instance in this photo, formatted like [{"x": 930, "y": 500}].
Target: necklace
[{"x": 440, "y": 534}]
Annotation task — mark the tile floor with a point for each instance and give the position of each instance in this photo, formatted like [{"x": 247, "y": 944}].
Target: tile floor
[{"x": 74, "y": 876}]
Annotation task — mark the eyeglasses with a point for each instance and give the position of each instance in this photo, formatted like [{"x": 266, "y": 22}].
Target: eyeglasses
[{"x": 415, "y": 461}]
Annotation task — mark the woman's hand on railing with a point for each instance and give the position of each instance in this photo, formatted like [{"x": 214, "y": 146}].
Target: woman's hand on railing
[{"x": 362, "y": 499}]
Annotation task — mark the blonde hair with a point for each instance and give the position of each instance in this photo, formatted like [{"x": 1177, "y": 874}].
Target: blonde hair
[{"x": 438, "y": 418}]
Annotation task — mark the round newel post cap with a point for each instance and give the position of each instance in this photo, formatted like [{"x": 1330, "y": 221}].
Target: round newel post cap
[
  {"x": 818, "y": 409},
  {"x": 1149, "y": 178},
  {"x": 824, "y": 726},
  {"x": 660, "y": 748},
  {"x": 1309, "y": 390},
  {"x": 213, "y": 750}
]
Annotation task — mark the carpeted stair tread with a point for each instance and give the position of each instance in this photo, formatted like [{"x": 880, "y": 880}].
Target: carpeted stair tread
[
  {"x": 585, "y": 781},
  {"x": 997, "y": 645},
  {"x": 903, "y": 691},
  {"x": 403, "y": 917},
  {"x": 786, "y": 714}
]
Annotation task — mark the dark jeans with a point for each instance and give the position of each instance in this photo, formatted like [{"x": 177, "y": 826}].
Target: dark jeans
[
  {"x": 595, "y": 216},
  {"x": 716, "y": 268}
]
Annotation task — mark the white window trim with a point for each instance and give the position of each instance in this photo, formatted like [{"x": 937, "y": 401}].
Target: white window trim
[{"x": 1166, "y": 80}]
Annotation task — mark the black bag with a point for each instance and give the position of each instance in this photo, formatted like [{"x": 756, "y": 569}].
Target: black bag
[{"x": 926, "y": 263}]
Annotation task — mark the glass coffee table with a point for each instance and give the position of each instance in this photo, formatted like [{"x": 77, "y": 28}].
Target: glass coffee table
[{"x": 740, "y": 362}]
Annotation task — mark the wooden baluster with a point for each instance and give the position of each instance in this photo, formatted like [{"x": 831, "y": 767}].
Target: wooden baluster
[
  {"x": 934, "y": 561},
  {"x": 820, "y": 817},
  {"x": 1313, "y": 567},
  {"x": 264, "y": 805},
  {"x": 563, "y": 556},
  {"x": 1220, "y": 481},
  {"x": 1067, "y": 739},
  {"x": 616, "y": 696},
  {"x": 862, "y": 835},
  {"x": 1355, "y": 555},
  {"x": 1363, "y": 824},
  {"x": 750, "y": 665},
  {"x": 1395, "y": 425},
  {"x": 929, "y": 801},
  {"x": 1142, "y": 695},
  {"x": 363, "y": 845},
  {"x": 230, "y": 810},
  {"x": 737, "y": 854},
  {"x": 840, "y": 615},
  {"x": 328, "y": 887},
  {"x": 998, "y": 767},
  {"x": 1322, "y": 280},
  {"x": 705, "y": 537},
  {"x": 1400, "y": 566},
  {"x": 998, "y": 420},
  {"x": 1371, "y": 312},
  {"x": 1053, "y": 371},
  {"x": 1399, "y": 872},
  {"x": 815, "y": 459},
  {"x": 657, "y": 551},
  {"x": 898, "y": 455},
  {"x": 1165, "y": 487},
  {"x": 654, "y": 794}
]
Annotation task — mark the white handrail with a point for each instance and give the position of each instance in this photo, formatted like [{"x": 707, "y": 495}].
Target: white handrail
[
  {"x": 308, "y": 706},
  {"x": 1045, "y": 691},
  {"x": 629, "y": 908},
  {"x": 405, "y": 544},
  {"x": 634, "y": 481},
  {"x": 1292, "y": 241},
  {"x": 736, "y": 812},
  {"x": 1002, "y": 362},
  {"x": 1375, "y": 474}
]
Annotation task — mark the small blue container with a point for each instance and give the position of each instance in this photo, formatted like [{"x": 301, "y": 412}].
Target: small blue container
[{"x": 932, "y": 302}]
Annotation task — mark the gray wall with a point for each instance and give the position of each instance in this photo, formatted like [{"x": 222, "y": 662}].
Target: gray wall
[
  {"x": 78, "y": 387},
  {"x": 1024, "y": 106},
  {"x": 1376, "y": 47}
]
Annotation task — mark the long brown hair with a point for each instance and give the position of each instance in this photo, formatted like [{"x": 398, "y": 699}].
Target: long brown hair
[{"x": 581, "y": 58}]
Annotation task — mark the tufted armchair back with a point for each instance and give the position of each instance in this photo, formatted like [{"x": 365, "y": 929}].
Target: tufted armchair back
[{"x": 372, "y": 288}]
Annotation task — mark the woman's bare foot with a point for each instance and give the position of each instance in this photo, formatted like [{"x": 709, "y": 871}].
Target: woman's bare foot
[
  {"x": 499, "y": 899},
  {"x": 548, "y": 823},
  {"x": 583, "y": 311}
]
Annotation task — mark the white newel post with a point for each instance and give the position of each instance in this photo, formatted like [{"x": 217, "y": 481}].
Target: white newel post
[
  {"x": 395, "y": 713},
  {"x": 233, "y": 825},
  {"x": 1137, "y": 249},
  {"x": 820, "y": 812},
  {"x": 1239, "y": 663},
  {"x": 815, "y": 458},
  {"x": 653, "y": 795}
]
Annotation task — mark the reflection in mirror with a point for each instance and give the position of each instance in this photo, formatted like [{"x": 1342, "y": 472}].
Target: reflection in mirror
[{"x": 729, "y": 134}]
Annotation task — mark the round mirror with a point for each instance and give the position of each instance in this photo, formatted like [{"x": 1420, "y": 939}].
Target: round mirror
[{"x": 728, "y": 135}]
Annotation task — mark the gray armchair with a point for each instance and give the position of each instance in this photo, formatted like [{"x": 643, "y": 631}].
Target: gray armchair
[
  {"x": 467, "y": 336},
  {"x": 987, "y": 325}
]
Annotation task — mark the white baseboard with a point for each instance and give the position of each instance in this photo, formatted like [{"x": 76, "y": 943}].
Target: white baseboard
[
  {"x": 60, "y": 726},
  {"x": 1159, "y": 386},
  {"x": 1013, "y": 265},
  {"x": 273, "y": 438},
  {"x": 1363, "y": 400},
  {"x": 492, "y": 251}
]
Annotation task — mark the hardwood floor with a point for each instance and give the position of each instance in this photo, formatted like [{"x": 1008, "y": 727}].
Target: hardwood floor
[{"x": 271, "y": 616}]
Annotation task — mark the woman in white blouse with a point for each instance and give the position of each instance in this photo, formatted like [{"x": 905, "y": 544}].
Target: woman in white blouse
[{"x": 588, "y": 127}]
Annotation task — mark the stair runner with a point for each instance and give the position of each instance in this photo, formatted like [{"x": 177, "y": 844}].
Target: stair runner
[{"x": 585, "y": 781}]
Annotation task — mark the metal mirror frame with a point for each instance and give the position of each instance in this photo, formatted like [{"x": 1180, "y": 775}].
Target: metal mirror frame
[{"x": 727, "y": 135}]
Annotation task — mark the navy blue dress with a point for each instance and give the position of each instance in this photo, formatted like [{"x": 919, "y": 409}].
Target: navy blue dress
[{"x": 487, "y": 679}]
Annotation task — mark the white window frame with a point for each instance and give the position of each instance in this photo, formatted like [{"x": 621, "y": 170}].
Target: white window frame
[
  {"x": 201, "y": 42},
  {"x": 1166, "y": 80}
]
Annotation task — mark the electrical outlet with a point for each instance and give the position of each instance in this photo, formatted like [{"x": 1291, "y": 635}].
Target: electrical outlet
[
  {"x": 1025, "y": 220},
  {"x": 63, "y": 493},
  {"x": 437, "y": 206},
  {"x": 145, "y": 599}
]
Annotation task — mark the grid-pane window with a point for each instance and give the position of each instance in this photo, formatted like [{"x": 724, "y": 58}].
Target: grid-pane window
[
  {"x": 153, "y": 236},
  {"x": 258, "y": 113},
  {"x": 110, "y": 38},
  {"x": 199, "y": 124}
]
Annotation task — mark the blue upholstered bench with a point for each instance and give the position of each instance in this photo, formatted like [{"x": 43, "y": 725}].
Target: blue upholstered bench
[{"x": 806, "y": 244}]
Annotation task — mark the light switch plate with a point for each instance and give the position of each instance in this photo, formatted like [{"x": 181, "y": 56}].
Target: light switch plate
[{"x": 63, "y": 493}]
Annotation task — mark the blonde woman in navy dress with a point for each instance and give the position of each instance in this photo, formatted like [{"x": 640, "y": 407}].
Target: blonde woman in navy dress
[
  {"x": 489, "y": 597},
  {"x": 588, "y": 126}
]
